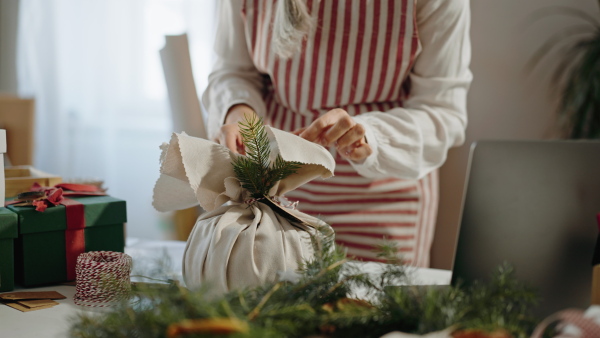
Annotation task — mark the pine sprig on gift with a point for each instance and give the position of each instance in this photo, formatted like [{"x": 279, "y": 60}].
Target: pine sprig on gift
[
  {"x": 256, "y": 142},
  {"x": 282, "y": 169},
  {"x": 255, "y": 171}
]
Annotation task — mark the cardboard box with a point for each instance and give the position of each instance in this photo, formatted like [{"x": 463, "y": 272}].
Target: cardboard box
[
  {"x": 19, "y": 179},
  {"x": 17, "y": 117},
  {"x": 8, "y": 232},
  {"x": 45, "y": 244}
]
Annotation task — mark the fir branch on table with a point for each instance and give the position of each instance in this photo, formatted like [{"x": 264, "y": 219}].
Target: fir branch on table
[
  {"x": 255, "y": 171},
  {"x": 318, "y": 305}
]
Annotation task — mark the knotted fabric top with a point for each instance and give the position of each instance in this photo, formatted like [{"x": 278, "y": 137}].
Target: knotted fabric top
[{"x": 195, "y": 171}]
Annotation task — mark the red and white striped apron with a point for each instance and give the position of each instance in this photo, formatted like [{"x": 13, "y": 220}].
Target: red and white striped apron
[{"x": 357, "y": 59}]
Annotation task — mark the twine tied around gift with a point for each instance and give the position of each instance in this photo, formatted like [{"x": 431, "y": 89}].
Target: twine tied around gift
[
  {"x": 102, "y": 278},
  {"x": 279, "y": 200},
  {"x": 251, "y": 201}
]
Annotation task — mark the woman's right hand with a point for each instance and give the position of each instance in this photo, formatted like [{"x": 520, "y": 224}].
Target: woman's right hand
[{"x": 229, "y": 134}]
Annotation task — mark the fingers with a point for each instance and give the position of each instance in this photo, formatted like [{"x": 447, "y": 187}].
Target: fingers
[
  {"x": 316, "y": 129},
  {"x": 230, "y": 136},
  {"x": 231, "y": 142},
  {"x": 338, "y": 128},
  {"x": 344, "y": 125},
  {"x": 297, "y": 132},
  {"x": 356, "y": 153},
  {"x": 335, "y": 127},
  {"x": 354, "y": 135}
]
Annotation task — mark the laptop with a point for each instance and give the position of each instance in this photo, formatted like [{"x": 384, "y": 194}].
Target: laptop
[{"x": 532, "y": 204}]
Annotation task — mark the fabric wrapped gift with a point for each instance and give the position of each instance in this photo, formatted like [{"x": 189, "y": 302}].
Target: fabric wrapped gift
[
  {"x": 240, "y": 242},
  {"x": 8, "y": 232}
]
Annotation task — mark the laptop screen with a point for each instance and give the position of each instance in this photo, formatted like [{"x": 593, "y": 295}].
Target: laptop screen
[{"x": 532, "y": 204}]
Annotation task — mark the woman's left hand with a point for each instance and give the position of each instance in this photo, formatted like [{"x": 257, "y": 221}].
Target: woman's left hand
[{"x": 339, "y": 129}]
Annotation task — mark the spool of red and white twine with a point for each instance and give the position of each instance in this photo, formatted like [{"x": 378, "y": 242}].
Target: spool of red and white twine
[{"x": 102, "y": 278}]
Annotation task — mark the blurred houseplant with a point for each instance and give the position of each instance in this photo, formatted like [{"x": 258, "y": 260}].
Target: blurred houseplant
[{"x": 577, "y": 76}]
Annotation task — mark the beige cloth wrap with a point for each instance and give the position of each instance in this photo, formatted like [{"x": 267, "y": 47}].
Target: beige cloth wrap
[{"x": 237, "y": 245}]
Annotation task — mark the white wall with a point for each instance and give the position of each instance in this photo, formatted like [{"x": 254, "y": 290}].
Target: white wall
[{"x": 505, "y": 101}]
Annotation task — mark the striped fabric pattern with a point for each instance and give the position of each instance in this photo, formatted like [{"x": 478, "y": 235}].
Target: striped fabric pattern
[{"x": 357, "y": 58}]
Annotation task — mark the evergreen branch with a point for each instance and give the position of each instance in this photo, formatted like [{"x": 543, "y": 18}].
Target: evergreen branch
[
  {"x": 321, "y": 273},
  {"x": 256, "y": 141},
  {"x": 247, "y": 172},
  {"x": 254, "y": 170},
  {"x": 282, "y": 169},
  {"x": 254, "y": 313},
  {"x": 280, "y": 310},
  {"x": 331, "y": 267},
  {"x": 242, "y": 300}
]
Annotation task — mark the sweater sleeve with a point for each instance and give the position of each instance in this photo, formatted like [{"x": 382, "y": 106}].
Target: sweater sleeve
[
  {"x": 234, "y": 78},
  {"x": 412, "y": 141}
]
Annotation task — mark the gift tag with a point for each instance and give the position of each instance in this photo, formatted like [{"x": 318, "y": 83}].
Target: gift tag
[{"x": 282, "y": 211}]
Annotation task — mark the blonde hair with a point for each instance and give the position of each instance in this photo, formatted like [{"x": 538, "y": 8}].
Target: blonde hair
[{"x": 292, "y": 23}]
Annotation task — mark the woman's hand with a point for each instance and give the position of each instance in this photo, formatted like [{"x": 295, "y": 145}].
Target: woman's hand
[
  {"x": 338, "y": 128},
  {"x": 229, "y": 134}
]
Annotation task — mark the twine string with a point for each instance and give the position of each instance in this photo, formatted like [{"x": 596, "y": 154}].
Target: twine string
[
  {"x": 102, "y": 278},
  {"x": 281, "y": 201}
]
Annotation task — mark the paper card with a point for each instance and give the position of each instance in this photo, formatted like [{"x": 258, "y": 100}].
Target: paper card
[
  {"x": 27, "y": 309},
  {"x": 31, "y": 295},
  {"x": 37, "y": 303}
]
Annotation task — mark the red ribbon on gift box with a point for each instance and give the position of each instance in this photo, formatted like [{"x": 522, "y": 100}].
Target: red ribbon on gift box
[{"x": 75, "y": 215}]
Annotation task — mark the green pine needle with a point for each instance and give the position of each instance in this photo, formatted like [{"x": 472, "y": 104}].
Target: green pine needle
[
  {"x": 255, "y": 171},
  {"x": 317, "y": 305}
]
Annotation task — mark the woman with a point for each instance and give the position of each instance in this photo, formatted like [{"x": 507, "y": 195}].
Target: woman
[{"x": 381, "y": 83}]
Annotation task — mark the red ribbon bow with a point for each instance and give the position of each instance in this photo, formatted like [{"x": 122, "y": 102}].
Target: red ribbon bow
[
  {"x": 75, "y": 214},
  {"x": 55, "y": 195}
]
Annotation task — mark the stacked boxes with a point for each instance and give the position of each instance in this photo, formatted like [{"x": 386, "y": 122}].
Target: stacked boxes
[
  {"x": 38, "y": 248},
  {"x": 20, "y": 178}
]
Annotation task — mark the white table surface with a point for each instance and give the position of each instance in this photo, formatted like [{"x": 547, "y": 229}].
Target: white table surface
[{"x": 55, "y": 321}]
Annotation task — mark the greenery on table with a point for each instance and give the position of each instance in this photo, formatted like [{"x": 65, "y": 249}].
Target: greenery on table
[
  {"x": 578, "y": 75},
  {"x": 317, "y": 305}
]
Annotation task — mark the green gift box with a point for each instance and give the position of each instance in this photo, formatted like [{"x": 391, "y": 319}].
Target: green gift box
[
  {"x": 8, "y": 232},
  {"x": 48, "y": 242}
]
